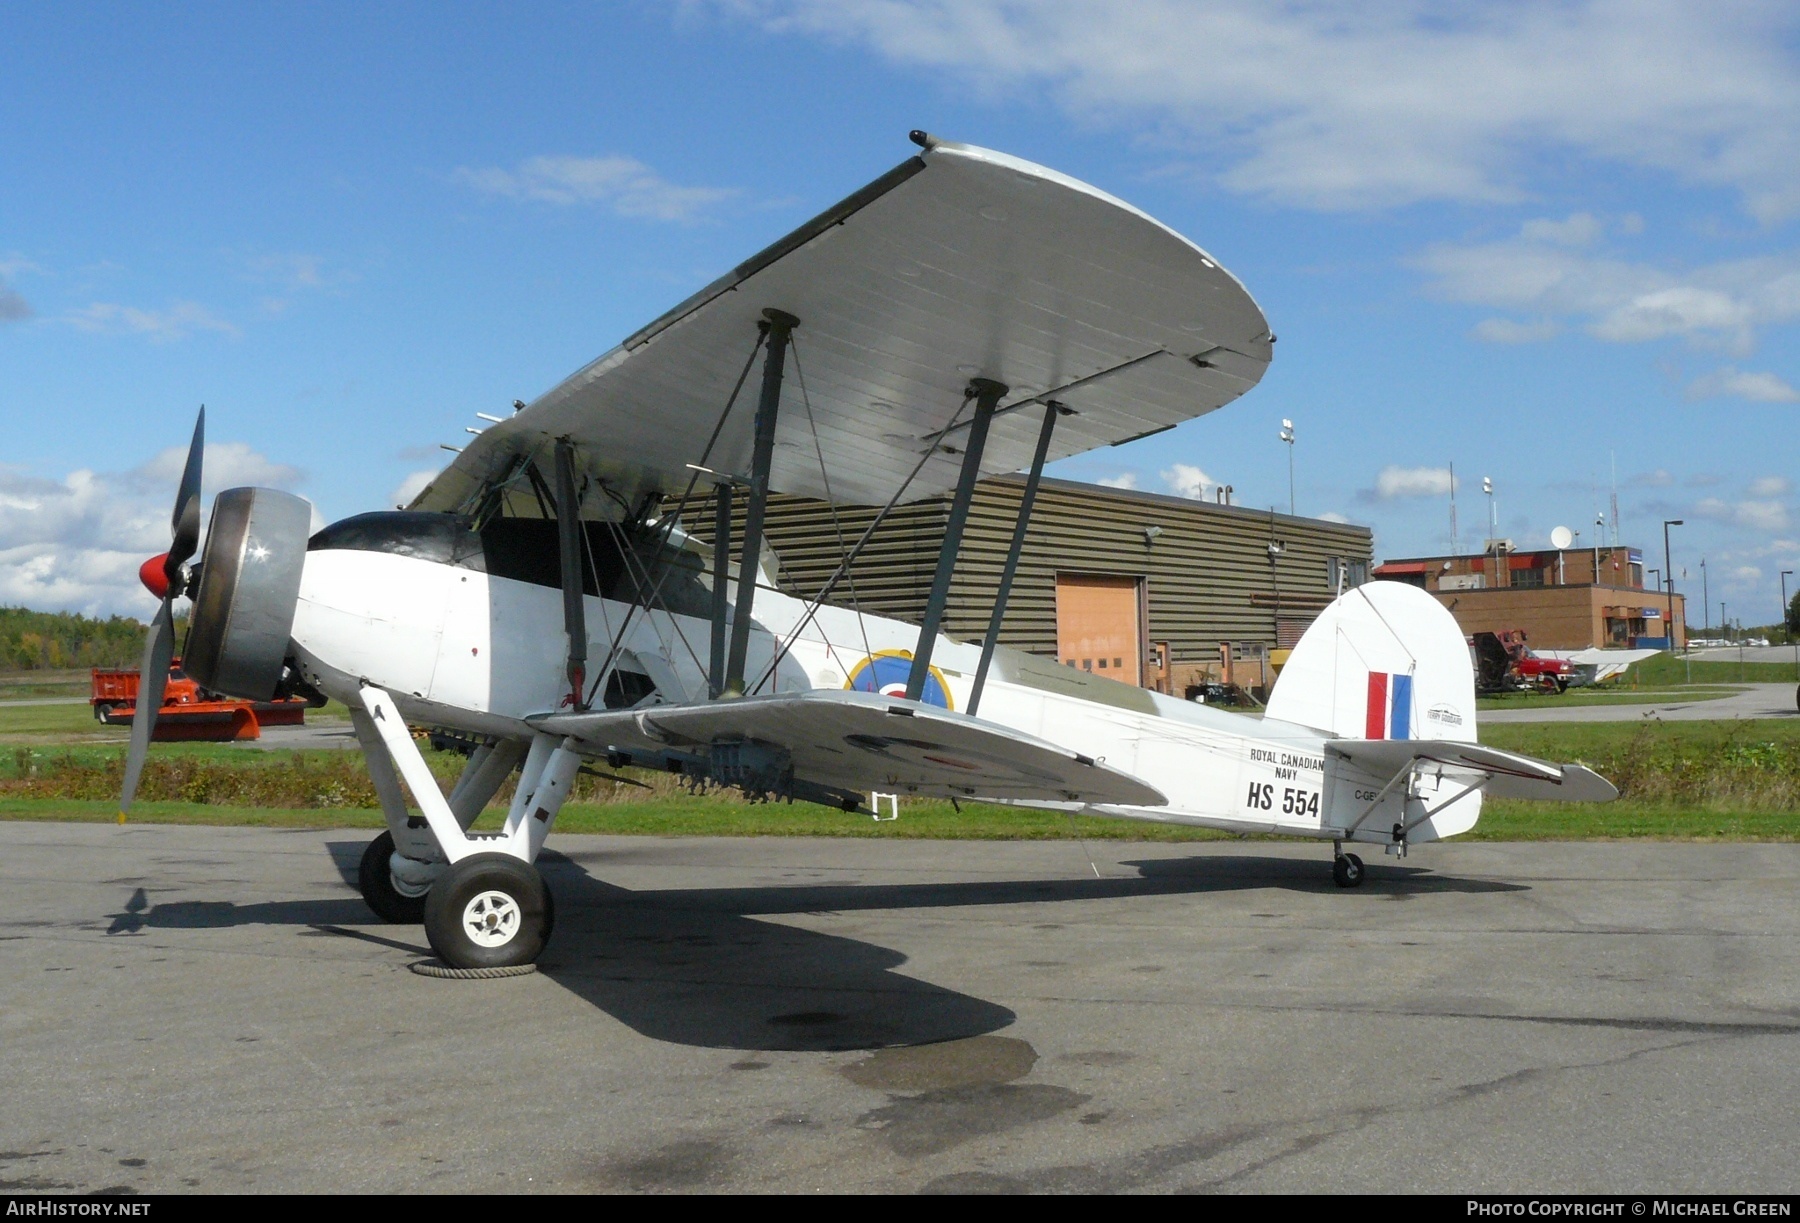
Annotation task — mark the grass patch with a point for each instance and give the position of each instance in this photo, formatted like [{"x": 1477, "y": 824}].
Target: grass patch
[
  {"x": 1732, "y": 780},
  {"x": 1666, "y": 669},
  {"x": 28, "y": 685},
  {"x": 674, "y": 817}
]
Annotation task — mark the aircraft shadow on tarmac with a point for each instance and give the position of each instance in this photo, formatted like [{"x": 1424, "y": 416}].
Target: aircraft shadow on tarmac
[{"x": 697, "y": 967}]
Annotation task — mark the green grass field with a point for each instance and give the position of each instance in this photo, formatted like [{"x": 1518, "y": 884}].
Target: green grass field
[
  {"x": 1737, "y": 780},
  {"x": 1667, "y": 669}
]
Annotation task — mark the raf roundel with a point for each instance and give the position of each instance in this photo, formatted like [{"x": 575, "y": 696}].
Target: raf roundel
[{"x": 886, "y": 673}]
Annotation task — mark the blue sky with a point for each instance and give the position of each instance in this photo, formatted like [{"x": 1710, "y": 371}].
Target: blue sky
[{"x": 1531, "y": 240}]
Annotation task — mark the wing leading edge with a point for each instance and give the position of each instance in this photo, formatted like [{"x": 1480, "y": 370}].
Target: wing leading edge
[{"x": 959, "y": 263}]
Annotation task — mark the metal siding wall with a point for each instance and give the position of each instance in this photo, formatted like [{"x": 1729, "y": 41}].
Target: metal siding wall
[{"x": 1208, "y": 576}]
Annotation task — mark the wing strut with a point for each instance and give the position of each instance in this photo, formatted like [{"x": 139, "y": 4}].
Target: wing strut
[
  {"x": 723, "y": 496},
  {"x": 987, "y": 393},
  {"x": 779, "y": 326},
  {"x": 1051, "y": 411},
  {"x": 568, "y": 538}
]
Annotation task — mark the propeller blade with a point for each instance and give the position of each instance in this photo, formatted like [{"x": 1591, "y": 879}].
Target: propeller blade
[
  {"x": 153, "y": 677},
  {"x": 184, "y": 524}
]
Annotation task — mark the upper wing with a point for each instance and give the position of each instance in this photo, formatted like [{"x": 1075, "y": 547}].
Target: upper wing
[
  {"x": 861, "y": 741},
  {"x": 1511, "y": 775},
  {"x": 958, "y": 263}
]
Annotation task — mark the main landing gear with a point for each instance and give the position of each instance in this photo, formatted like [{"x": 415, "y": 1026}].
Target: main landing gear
[
  {"x": 1346, "y": 869},
  {"x": 489, "y": 911},
  {"x": 482, "y": 901}
]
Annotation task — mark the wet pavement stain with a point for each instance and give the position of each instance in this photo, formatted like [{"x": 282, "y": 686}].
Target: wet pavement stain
[
  {"x": 936, "y": 1121},
  {"x": 686, "y": 1163},
  {"x": 976, "y": 1182},
  {"x": 975, "y": 1061},
  {"x": 965, "y": 1090}
]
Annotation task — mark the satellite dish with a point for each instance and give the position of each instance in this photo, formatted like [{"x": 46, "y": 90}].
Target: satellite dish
[{"x": 1560, "y": 538}]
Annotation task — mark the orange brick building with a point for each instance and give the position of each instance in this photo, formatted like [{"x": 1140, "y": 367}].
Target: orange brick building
[{"x": 1564, "y": 599}]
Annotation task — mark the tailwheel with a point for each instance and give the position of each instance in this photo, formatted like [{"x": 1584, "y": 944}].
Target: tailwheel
[
  {"x": 1347, "y": 871},
  {"x": 380, "y": 891},
  {"x": 489, "y": 911}
]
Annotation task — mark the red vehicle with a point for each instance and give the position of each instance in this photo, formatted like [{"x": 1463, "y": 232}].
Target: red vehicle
[
  {"x": 190, "y": 712},
  {"x": 1504, "y": 663}
]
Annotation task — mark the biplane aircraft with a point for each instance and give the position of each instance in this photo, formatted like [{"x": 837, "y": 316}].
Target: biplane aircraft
[{"x": 546, "y": 597}]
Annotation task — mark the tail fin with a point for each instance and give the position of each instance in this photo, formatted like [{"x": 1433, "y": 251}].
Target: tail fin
[{"x": 1384, "y": 661}]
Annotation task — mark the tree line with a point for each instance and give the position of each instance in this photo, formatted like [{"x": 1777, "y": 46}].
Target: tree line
[{"x": 50, "y": 641}]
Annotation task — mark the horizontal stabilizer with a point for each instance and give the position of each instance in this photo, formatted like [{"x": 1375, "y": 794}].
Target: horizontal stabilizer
[
  {"x": 1511, "y": 775},
  {"x": 862, "y": 741}
]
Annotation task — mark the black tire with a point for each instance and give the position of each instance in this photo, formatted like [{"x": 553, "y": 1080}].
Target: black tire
[
  {"x": 509, "y": 895},
  {"x": 376, "y": 882},
  {"x": 1347, "y": 871}
]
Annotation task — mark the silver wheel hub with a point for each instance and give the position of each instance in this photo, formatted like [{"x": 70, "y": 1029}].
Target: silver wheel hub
[{"x": 491, "y": 919}]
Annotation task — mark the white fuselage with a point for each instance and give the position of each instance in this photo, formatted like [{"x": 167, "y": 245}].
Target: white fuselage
[{"x": 465, "y": 650}]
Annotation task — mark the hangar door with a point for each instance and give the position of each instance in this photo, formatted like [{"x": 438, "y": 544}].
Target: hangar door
[{"x": 1100, "y": 624}]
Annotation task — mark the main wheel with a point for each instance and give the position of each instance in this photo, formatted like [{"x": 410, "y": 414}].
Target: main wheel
[
  {"x": 1347, "y": 871},
  {"x": 489, "y": 911},
  {"x": 375, "y": 880}
]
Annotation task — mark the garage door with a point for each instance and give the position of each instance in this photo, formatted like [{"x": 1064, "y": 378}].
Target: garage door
[{"x": 1099, "y": 624}]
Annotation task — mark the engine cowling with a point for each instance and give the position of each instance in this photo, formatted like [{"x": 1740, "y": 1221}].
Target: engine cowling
[{"x": 249, "y": 588}]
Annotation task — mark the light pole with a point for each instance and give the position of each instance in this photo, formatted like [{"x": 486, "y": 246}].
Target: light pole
[
  {"x": 1705, "y": 604},
  {"x": 1287, "y": 435},
  {"x": 1669, "y": 577},
  {"x": 1487, "y": 489}
]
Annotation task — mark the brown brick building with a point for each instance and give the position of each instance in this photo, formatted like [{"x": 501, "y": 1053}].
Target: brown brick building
[{"x": 1564, "y": 599}]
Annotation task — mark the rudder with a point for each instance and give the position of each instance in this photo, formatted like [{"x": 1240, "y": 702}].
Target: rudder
[{"x": 1383, "y": 661}]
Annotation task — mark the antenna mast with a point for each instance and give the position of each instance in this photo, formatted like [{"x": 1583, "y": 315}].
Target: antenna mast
[{"x": 1455, "y": 545}]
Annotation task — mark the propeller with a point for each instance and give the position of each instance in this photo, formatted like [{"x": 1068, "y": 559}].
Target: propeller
[{"x": 159, "y": 646}]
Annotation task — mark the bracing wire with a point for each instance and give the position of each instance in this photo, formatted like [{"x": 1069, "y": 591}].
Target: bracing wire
[
  {"x": 669, "y": 520},
  {"x": 868, "y": 533},
  {"x": 837, "y": 524}
]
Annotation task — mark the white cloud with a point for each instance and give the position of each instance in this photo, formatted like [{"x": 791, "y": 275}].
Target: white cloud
[
  {"x": 1746, "y": 575},
  {"x": 1186, "y": 481},
  {"x": 1510, "y": 331},
  {"x": 1757, "y": 514},
  {"x": 415, "y": 483},
  {"x": 75, "y": 544},
  {"x": 1579, "y": 229},
  {"x": 1771, "y": 486},
  {"x": 1660, "y": 478},
  {"x": 625, "y": 184},
  {"x": 178, "y": 322},
  {"x": 1412, "y": 482},
  {"x": 1719, "y": 305},
  {"x": 1333, "y": 516},
  {"x": 1344, "y": 105},
  {"x": 1743, "y": 384}
]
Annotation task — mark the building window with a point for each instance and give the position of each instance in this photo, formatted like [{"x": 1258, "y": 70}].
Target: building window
[
  {"x": 1348, "y": 573},
  {"x": 1531, "y": 578}
]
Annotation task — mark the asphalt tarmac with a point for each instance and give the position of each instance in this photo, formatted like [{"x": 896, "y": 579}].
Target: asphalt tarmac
[
  {"x": 1751, "y": 701},
  {"x": 200, "y": 1009}
]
